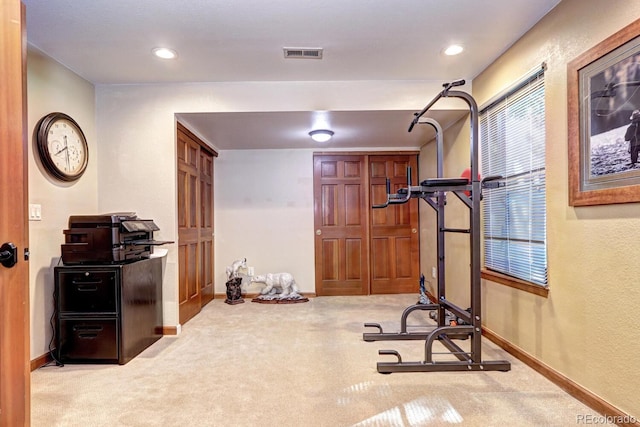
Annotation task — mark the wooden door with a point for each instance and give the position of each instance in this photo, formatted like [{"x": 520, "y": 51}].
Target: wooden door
[
  {"x": 395, "y": 245},
  {"x": 195, "y": 224},
  {"x": 14, "y": 281},
  {"x": 206, "y": 239},
  {"x": 341, "y": 225}
]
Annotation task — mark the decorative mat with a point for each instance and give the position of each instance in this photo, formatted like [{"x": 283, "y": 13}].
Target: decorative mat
[{"x": 290, "y": 300}]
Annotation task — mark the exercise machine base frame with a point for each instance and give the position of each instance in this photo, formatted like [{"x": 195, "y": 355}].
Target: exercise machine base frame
[
  {"x": 489, "y": 365},
  {"x": 404, "y": 334}
]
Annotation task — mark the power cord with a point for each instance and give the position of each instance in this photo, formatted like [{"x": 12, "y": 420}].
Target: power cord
[{"x": 52, "y": 351}]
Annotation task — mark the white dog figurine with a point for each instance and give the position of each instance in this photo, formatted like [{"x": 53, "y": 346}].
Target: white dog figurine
[
  {"x": 232, "y": 271},
  {"x": 281, "y": 284}
]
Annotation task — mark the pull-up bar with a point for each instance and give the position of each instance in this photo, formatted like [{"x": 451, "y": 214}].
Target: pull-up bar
[{"x": 446, "y": 86}]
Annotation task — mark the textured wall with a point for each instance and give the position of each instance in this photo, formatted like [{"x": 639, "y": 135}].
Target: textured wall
[
  {"x": 457, "y": 256},
  {"x": 586, "y": 328},
  {"x": 264, "y": 212},
  {"x": 51, "y": 87}
]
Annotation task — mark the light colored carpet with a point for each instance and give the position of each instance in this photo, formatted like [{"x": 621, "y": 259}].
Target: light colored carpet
[{"x": 294, "y": 365}]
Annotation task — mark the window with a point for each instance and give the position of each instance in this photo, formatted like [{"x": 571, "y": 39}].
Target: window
[{"x": 512, "y": 144}]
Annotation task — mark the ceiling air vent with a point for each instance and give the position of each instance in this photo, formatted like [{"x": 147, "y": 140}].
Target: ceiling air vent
[{"x": 303, "y": 53}]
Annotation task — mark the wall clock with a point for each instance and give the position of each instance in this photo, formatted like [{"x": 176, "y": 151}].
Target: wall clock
[{"x": 62, "y": 146}]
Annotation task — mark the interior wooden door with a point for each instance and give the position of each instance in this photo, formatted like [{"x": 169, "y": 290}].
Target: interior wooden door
[
  {"x": 395, "y": 244},
  {"x": 195, "y": 223},
  {"x": 207, "y": 237},
  {"x": 14, "y": 281},
  {"x": 188, "y": 226},
  {"x": 341, "y": 225}
]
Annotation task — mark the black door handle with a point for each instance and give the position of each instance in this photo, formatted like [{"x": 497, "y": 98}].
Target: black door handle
[{"x": 8, "y": 254}]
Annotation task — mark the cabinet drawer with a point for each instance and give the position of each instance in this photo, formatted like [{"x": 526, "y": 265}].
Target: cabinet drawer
[
  {"x": 87, "y": 291},
  {"x": 88, "y": 339}
]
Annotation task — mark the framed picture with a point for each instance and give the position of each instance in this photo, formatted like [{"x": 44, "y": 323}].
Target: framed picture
[{"x": 604, "y": 121}]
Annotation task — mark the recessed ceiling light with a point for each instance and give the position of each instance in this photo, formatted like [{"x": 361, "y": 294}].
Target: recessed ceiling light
[
  {"x": 454, "y": 49},
  {"x": 164, "y": 53}
]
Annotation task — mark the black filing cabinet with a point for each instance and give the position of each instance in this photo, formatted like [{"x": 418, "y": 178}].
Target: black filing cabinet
[{"x": 107, "y": 313}]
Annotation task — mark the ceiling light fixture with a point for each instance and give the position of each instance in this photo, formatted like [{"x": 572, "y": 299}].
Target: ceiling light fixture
[
  {"x": 454, "y": 49},
  {"x": 321, "y": 135},
  {"x": 164, "y": 53}
]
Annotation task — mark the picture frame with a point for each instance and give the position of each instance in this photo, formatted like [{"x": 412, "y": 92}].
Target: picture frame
[{"x": 603, "y": 86}]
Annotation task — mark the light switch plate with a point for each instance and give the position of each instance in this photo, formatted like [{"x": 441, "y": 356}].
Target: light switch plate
[{"x": 35, "y": 212}]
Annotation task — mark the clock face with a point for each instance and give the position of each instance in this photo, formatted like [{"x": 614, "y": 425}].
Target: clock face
[
  {"x": 62, "y": 147},
  {"x": 66, "y": 146}
]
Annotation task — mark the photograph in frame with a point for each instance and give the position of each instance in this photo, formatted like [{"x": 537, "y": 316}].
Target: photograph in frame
[
  {"x": 610, "y": 121},
  {"x": 604, "y": 121}
]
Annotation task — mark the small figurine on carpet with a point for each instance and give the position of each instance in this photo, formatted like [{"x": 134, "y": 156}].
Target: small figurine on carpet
[
  {"x": 234, "y": 269},
  {"x": 280, "y": 288},
  {"x": 234, "y": 282}
]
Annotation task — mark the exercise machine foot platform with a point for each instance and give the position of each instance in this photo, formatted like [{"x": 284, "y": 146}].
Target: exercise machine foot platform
[{"x": 469, "y": 322}]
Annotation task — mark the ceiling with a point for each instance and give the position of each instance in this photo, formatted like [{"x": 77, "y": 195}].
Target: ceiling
[
  {"x": 110, "y": 42},
  {"x": 286, "y": 129}
]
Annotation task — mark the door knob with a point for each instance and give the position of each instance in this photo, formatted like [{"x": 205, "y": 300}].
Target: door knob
[
  {"x": 318, "y": 232},
  {"x": 8, "y": 254},
  {"x": 414, "y": 231}
]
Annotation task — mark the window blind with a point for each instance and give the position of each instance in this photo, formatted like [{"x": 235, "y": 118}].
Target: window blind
[{"x": 512, "y": 144}]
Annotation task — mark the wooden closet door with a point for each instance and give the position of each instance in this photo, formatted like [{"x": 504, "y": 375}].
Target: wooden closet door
[
  {"x": 188, "y": 226},
  {"x": 206, "y": 227},
  {"x": 395, "y": 244},
  {"x": 341, "y": 225},
  {"x": 195, "y": 223}
]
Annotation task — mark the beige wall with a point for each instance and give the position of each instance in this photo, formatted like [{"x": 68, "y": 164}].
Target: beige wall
[
  {"x": 457, "y": 255},
  {"x": 587, "y": 328},
  {"x": 264, "y": 212},
  {"x": 51, "y": 87}
]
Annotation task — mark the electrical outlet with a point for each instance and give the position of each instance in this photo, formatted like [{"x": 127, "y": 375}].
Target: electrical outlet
[
  {"x": 433, "y": 272},
  {"x": 251, "y": 271}
]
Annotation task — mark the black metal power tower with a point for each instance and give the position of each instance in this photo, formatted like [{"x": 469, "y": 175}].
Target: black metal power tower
[{"x": 434, "y": 191}]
